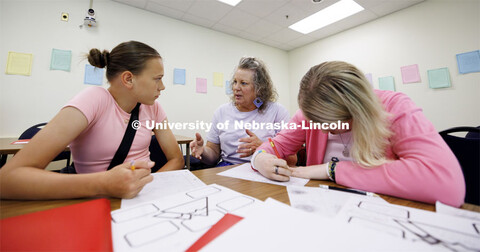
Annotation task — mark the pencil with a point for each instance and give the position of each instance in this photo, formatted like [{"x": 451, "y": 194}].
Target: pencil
[
  {"x": 132, "y": 165},
  {"x": 274, "y": 148}
]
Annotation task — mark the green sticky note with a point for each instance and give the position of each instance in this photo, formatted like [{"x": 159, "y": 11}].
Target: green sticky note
[
  {"x": 386, "y": 83},
  {"x": 439, "y": 78},
  {"x": 61, "y": 60}
]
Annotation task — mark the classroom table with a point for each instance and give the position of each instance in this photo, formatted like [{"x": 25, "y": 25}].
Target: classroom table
[
  {"x": 261, "y": 191},
  {"x": 6, "y": 148}
]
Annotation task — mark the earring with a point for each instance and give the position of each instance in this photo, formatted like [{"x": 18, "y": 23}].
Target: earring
[{"x": 258, "y": 102}]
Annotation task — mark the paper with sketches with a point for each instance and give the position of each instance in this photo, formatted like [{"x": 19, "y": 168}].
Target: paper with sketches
[
  {"x": 321, "y": 201},
  {"x": 61, "y": 60},
  {"x": 218, "y": 79},
  {"x": 440, "y": 232},
  {"x": 179, "y": 76},
  {"x": 164, "y": 184},
  {"x": 439, "y": 78},
  {"x": 201, "y": 85},
  {"x": 244, "y": 171},
  {"x": 468, "y": 62},
  {"x": 175, "y": 222},
  {"x": 410, "y": 74},
  {"x": 19, "y": 63},
  {"x": 93, "y": 75},
  {"x": 277, "y": 227},
  {"x": 449, "y": 210},
  {"x": 386, "y": 83}
]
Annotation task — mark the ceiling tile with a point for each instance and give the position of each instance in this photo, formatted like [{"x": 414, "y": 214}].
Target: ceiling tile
[
  {"x": 310, "y": 7},
  {"x": 263, "y": 28},
  {"x": 181, "y": 5},
  {"x": 294, "y": 13},
  {"x": 226, "y": 29},
  {"x": 303, "y": 40},
  {"x": 357, "y": 19},
  {"x": 286, "y": 47},
  {"x": 162, "y": 10},
  {"x": 211, "y": 9},
  {"x": 249, "y": 36},
  {"x": 238, "y": 19},
  {"x": 270, "y": 42},
  {"x": 135, "y": 3},
  {"x": 285, "y": 35},
  {"x": 260, "y": 8},
  {"x": 198, "y": 20},
  {"x": 388, "y": 7}
]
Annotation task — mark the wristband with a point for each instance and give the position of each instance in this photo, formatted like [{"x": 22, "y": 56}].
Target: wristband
[
  {"x": 331, "y": 169},
  {"x": 252, "y": 161},
  {"x": 327, "y": 170}
]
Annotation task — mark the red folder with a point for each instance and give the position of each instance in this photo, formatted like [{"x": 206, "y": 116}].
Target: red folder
[
  {"x": 80, "y": 227},
  {"x": 221, "y": 226}
]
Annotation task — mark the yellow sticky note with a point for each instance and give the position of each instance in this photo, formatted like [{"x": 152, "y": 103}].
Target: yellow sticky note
[
  {"x": 19, "y": 63},
  {"x": 218, "y": 79}
]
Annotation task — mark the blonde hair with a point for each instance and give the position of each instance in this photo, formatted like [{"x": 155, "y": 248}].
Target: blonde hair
[
  {"x": 262, "y": 82},
  {"x": 337, "y": 90}
]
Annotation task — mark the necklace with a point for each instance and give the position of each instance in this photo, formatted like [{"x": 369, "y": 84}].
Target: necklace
[{"x": 345, "y": 151}]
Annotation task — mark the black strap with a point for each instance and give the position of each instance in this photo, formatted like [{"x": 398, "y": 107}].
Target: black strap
[{"x": 127, "y": 140}]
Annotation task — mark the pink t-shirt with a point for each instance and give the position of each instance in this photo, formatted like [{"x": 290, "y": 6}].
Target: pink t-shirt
[{"x": 95, "y": 147}]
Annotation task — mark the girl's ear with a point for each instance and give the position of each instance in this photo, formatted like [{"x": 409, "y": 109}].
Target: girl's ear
[{"x": 127, "y": 79}]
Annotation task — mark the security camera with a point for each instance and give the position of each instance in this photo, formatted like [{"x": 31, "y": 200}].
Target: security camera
[{"x": 89, "y": 19}]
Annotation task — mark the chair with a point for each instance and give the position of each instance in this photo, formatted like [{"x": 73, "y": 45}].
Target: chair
[
  {"x": 156, "y": 154},
  {"x": 30, "y": 132},
  {"x": 467, "y": 151}
]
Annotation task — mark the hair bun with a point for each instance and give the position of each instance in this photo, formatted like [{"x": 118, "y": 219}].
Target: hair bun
[{"x": 97, "y": 58}]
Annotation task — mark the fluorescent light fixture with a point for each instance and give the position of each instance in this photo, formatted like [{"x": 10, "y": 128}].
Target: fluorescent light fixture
[
  {"x": 329, "y": 15},
  {"x": 230, "y": 2}
]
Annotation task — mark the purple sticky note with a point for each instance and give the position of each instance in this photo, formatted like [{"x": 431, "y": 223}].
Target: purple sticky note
[
  {"x": 201, "y": 85},
  {"x": 369, "y": 78},
  {"x": 410, "y": 74}
]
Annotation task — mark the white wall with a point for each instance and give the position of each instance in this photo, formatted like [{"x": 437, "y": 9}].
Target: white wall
[
  {"x": 34, "y": 26},
  {"x": 429, "y": 34}
]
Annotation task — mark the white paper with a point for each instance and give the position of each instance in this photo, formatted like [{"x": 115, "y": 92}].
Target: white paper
[
  {"x": 277, "y": 227},
  {"x": 449, "y": 210},
  {"x": 244, "y": 171},
  {"x": 321, "y": 201},
  {"x": 164, "y": 184},
  {"x": 439, "y": 232},
  {"x": 175, "y": 222}
]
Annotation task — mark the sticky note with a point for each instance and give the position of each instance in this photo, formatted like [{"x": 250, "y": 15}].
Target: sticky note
[
  {"x": 228, "y": 88},
  {"x": 201, "y": 85},
  {"x": 19, "y": 63},
  {"x": 468, "y": 62},
  {"x": 61, "y": 60},
  {"x": 93, "y": 75},
  {"x": 179, "y": 76},
  {"x": 386, "y": 83},
  {"x": 410, "y": 74},
  {"x": 439, "y": 78},
  {"x": 218, "y": 79}
]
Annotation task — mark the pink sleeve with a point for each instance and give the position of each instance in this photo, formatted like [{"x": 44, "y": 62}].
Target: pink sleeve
[
  {"x": 90, "y": 101},
  {"x": 288, "y": 141},
  {"x": 160, "y": 114},
  {"x": 425, "y": 168}
]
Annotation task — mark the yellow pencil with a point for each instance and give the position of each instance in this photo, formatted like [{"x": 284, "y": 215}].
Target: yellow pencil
[{"x": 132, "y": 165}]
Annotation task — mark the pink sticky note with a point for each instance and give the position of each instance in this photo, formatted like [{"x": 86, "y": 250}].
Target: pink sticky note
[
  {"x": 410, "y": 74},
  {"x": 201, "y": 85}
]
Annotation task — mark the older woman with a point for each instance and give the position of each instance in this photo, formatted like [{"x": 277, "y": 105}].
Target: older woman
[
  {"x": 253, "y": 101},
  {"x": 390, "y": 147}
]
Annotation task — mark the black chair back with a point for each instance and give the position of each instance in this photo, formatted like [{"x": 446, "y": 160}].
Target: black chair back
[
  {"x": 30, "y": 132},
  {"x": 156, "y": 154},
  {"x": 467, "y": 151}
]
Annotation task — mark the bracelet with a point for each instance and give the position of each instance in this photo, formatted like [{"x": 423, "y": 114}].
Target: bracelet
[
  {"x": 331, "y": 169},
  {"x": 327, "y": 170},
  {"x": 252, "y": 161}
]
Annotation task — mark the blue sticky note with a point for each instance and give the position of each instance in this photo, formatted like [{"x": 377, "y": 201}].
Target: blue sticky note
[
  {"x": 386, "y": 83},
  {"x": 228, "y": 88},
  {"x": 93, "y": 75},
  {"x": 61, "y": 60},
  {"x": 439, "y": 78},
  {"x": 468, "y": 62},
  {"x": 179, "y": 76}
]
